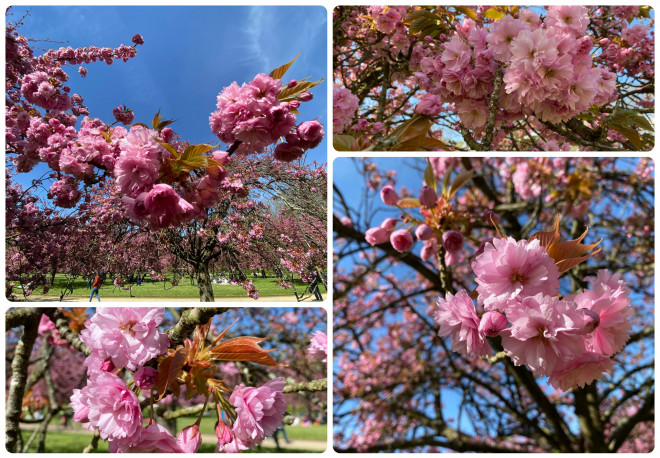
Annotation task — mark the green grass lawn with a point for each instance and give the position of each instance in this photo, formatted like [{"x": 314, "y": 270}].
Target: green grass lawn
[
  {"x": 312, "y": 433},
  {"x": 266, "y": 287},
  {"x": 75, "y": 443}
]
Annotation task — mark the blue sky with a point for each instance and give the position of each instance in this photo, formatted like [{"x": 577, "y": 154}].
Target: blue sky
[{"x": 189, "y": 55}]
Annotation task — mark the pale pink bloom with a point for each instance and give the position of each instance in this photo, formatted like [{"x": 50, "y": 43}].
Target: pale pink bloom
[
  {"x": 401, "y": 240},
  {"x": 581, "y": 370},
  {"x": 128, "y": 336},
  {"x": 573, "y": 18},
  {"x": 473, "y": 113},
  {"x": 386, "y": 20},
  {"x": 502, "y": 34},
  {"x": 152, "y": 439},
  {"x": 145, "y": 377},
  {"x": 189, "y": 439},
  {"x": 113, "y": 409},
  {"x": 388, "y": 195},
  {"x": 542, "y": 332},
  {"x": 609, "y": 299},
  {"x": 45, "y": 325},
  {"x": 136, "y": 170},
  {"x": 344, "y": 106},
  {"x": 507, "y": 269},
  {"x": 457, "y": 318},
  {"x": 456, "y": 55},
  {"x": 80, "y": 406},
  {"x": 430, "y": 105},
  {"x": 318, "y": 346},
  {"x": 259, "y": 410},
  {"x": 492, "y": 323},
  {"x": 165, "y": 207},
  {"x": 427, "y": 196},
  {"x": 530, "y": 17}
]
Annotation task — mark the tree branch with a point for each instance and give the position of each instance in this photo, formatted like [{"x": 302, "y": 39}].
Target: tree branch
[{"x": 190, "y": 318}]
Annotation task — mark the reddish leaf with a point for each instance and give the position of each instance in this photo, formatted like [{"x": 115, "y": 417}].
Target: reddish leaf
[
  {"x": 168, "y": 370},
  {"x": 243, "y": 349}
]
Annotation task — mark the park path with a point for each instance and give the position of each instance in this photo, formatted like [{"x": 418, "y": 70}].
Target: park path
[{"x": 37, "y": 298}]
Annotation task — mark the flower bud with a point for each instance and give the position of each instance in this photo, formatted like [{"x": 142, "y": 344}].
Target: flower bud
[
  {"x": 401, "y": 240},
  {"x": 107, "y": 365},
  {"x": 189, "y": 439},
  {"x": 424, "y": 232},
  {"x": 292, "y": 83},
  {"x": 491, "y": 324},
  {"x": 452, "y": 241},
  {"x": 376, "y": 236},
  {"x": 146, "y": 377},
  {"x": 167, "y": 134},
  {"x": 305, "y": 97},
  {"x": 310, "y": 133},
  {"x": 346, "y": 221},
  {"x": 388, "y": 195},
  {"x": 427, "y": 196},
  {"x": 294, "y": 104},
  {"x": 591, "y": 321},
  {"x": 429, "y": 249},
  {"x": 389, "y": 224}
]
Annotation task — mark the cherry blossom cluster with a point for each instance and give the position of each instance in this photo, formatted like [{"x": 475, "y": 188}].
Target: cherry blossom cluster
[
  {"x": 547, "y": 69},
  {"x": 129, "y": 339},
  {"x": 570, "y": 340},
  {"x": 318, "y": 346},
  {"x": 344, "y": 106},
  {"x": 254, "y": 116}
]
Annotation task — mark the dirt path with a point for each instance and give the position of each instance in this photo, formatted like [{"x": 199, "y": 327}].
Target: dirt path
[{"x": 37, "y": 298}]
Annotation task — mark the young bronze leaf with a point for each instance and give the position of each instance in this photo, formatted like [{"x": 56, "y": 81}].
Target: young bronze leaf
[
  {"x": 163, "y": 124},
  {"x": 279, "y": 72},
  {"x": 547, "y": 238},
  {"x": 243, "y": 349},
  {"x": 429, "y": 176},
  {"x": 168, "y": 369},
  {"x": 459, "y": 181},
  {"x": 156, "y": 120},
  {"x": 288, "y": 94},
  {"x": 222, "y": 334},
  {"x": 169, "y": 148},
  {"x": 408, "y": 202}
]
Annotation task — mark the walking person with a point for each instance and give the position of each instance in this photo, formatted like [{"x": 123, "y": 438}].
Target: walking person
[{"x": 95, "y": 288}]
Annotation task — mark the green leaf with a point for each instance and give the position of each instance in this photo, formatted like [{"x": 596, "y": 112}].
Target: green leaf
[
  {"x": 632, "y": 117},
  {"x": 424, "y": 22},
  {"x": 170, "y": 148},
  {"x": 279, "y": 72},
  {"x": 429, "y": 176},
  {"x": 288, "y": 94},
  {"x": 466, "y": 11},
  {"x": 343, "y": 142},
  {"x": 631, "y": 134},
  {"x": 493, "y": 13},
  {"x": 409, "y": 202},
  {"x": 459, "y": 181}
]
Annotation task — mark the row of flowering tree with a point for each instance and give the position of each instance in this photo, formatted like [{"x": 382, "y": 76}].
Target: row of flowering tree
[
  {"x": 127, "y": 375},
  {"x": 494, "y": 304},
  {"x": 114, "y": 186},
  {"x": 493, "y": 77}
]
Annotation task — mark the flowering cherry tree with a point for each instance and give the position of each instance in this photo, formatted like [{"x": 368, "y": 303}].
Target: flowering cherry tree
[
  {"x": 130, "y": 178},
  {"x": 139, "y": 364},
  {"x": 495, "y": 305},
  {"x": 493, "y": 77}
]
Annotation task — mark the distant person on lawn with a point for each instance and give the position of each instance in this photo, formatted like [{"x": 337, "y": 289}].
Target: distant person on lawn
[{"x": 95, "y": 288}]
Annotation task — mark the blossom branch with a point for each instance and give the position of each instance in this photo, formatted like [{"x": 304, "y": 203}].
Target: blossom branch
[
  {"x": 19, "y": 375},
  {"x": 314, "y": 385},
  {"x": 492, "y": 109},
  {"x": 190, "y": 318}
]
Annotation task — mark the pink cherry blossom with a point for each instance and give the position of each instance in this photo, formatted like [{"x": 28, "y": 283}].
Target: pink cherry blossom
[
  {"x": 457, "y": 318},
  {"x": 259, "y": 410}
]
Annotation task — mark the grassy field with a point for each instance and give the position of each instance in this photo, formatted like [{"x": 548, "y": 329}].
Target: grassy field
[
  {"x": 57, "y": 442},
  {"x": 266, "y": 287},
  {"x": 311, "y": 433}
]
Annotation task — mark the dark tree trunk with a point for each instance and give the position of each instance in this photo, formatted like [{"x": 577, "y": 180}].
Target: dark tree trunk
[{"x": 204, "y": 283}]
